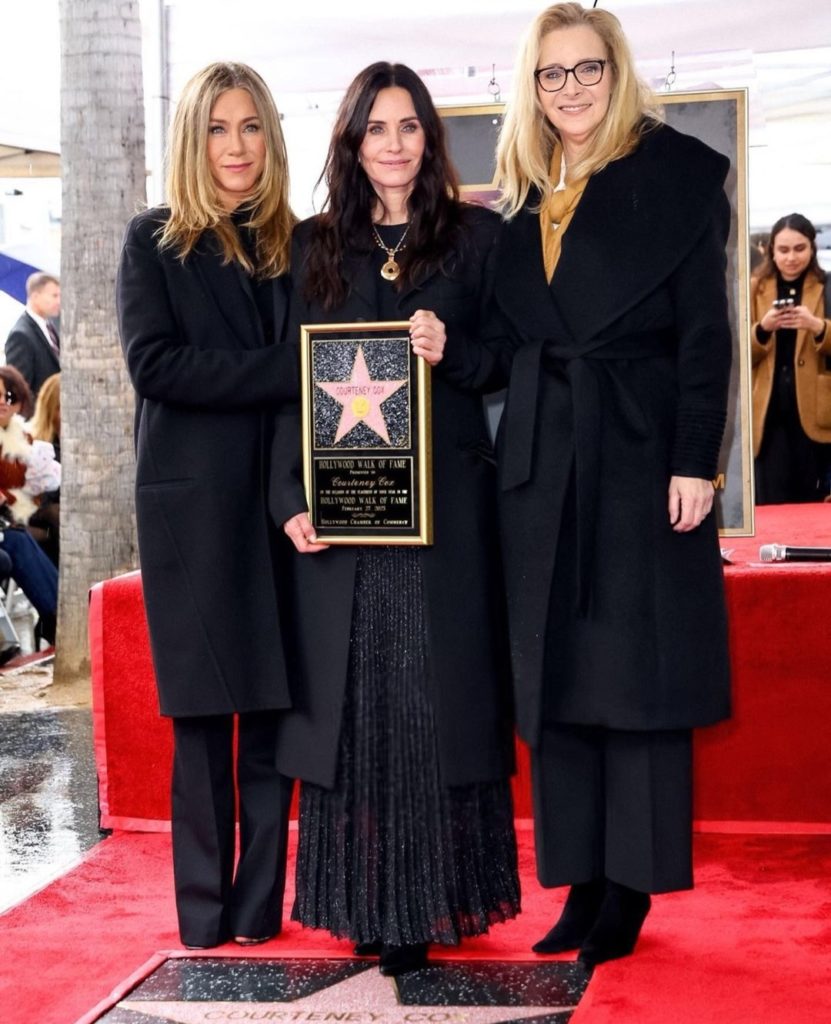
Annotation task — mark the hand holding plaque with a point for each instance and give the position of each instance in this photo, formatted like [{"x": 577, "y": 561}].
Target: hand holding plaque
[{"x": 366, "y": 434}]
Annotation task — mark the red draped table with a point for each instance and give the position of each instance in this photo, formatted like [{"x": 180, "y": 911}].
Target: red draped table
[
  {"x": 767, "y": 769},
  {"x": 770, "y": 766}
]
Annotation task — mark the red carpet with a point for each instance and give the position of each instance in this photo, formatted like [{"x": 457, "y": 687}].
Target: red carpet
[{"x": 751, "y": 943}]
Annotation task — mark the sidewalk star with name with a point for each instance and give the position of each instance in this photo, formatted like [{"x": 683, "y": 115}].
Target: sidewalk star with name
[{"x": 367, "y": 998}]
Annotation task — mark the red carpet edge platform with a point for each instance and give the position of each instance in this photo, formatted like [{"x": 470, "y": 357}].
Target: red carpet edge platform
[{"x": 767, "y": 770}]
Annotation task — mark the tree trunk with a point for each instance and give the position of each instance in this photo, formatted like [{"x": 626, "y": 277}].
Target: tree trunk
[{"x": 103, "y": 170}]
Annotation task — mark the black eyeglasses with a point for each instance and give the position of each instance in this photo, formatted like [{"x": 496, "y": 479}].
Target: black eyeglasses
[
  {"x": 12, "y": 398},
  {"x": 554, "y": 77}
]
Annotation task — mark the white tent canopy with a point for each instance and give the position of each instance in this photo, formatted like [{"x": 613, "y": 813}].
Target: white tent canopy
[
  {"x": 26, "y": 161},
  {"x": 308, "y": 53}
]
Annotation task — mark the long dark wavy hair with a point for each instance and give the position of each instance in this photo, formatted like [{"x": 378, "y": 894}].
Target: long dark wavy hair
[
  {"x": 796, "y": 222},
  {"x": 345, "y": 222}
]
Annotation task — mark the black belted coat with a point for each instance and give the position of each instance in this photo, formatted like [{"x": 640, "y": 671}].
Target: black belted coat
[
  {"x": 463, "y": 590},
  {"x": 619, "y": 374},
  {"x": 207, "y": 388}
]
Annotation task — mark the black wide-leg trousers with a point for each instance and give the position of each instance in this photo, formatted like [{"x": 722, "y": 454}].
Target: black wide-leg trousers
[
  {"x": 214, "y": 902},
  {"x": 614, "y": 804}
]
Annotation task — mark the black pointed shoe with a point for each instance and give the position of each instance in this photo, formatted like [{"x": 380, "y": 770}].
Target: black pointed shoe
[
  {"x": 618, "y": 925},
  {"x": 397, "y": 960},
  {"x": 577, "y": 919}
]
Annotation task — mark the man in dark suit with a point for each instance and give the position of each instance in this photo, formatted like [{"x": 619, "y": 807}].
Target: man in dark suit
[{"x": 32, "y": 346}]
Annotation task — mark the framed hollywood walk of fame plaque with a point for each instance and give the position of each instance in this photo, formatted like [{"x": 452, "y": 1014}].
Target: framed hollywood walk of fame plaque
[{"x": 367, "y": 455}]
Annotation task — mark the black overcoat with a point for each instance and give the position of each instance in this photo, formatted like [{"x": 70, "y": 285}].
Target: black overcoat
[
  {"x": 618, "y": 380},
  {"x": 464, "y": 611},
  {"x": 207, "y": 390}
]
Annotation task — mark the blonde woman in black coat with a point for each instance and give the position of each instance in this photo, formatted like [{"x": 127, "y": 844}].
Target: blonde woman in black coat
[
  {"x": 610, "y": 288},
  {"x": 401, "y": 727},
  {"x": 202, "y": 302}
]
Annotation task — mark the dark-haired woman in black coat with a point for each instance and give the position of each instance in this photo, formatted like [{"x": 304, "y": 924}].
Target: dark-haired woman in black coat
[{"x": 401, "y": 725}]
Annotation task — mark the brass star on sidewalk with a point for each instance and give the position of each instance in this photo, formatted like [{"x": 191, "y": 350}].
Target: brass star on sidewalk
[{"x": 366, "y": 998}]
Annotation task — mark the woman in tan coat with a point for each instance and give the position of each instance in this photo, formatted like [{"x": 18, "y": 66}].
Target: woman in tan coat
[{"x": 791, "y": 346}]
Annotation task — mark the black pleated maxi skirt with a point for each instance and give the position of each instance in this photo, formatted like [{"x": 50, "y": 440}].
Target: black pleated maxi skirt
[{"x": 390, "y": 854}]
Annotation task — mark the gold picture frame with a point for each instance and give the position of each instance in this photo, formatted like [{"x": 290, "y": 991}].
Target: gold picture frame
[{"x": 366, "y": 434}]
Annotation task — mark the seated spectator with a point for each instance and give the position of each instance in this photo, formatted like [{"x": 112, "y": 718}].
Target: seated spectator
[
  {"x": 45, "y": 425},
  {"x": 9, "y": 647},
  {"x": 28, "y": 469}
]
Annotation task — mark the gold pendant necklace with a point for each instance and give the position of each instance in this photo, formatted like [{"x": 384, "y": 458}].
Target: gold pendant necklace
[{"x": 390, "y": 270}]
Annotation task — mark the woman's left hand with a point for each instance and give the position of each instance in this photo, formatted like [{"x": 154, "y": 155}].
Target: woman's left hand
[
  {"x": 427, "y": 336},
  {"x": 690, "y": 502},
  {"x": 301, "y": 533},
  {"x": 800, "y": 318}
]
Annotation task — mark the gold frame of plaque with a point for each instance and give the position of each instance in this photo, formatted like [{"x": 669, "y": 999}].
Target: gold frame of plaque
[{"x": 367, "y": 471}]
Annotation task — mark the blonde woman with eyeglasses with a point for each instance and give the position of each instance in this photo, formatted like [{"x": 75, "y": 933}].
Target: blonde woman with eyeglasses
[{"x": 609, "y": 321}]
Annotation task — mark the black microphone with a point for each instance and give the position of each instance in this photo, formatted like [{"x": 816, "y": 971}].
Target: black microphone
[{"x": 781, "y": 553}]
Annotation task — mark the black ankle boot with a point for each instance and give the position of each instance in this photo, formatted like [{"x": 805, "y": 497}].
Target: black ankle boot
[
  {"x": 575, "y": 922},
  {"x": 397, "y": 960},
  {"x": 618, "y": 925},
  {"x": 371, "y": 948}
]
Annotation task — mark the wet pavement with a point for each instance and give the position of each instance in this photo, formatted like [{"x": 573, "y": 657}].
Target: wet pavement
[{"x": 48, "y": 797}]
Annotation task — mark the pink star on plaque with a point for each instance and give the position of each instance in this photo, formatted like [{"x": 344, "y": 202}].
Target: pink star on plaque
[{"x": 361, "y": 398}]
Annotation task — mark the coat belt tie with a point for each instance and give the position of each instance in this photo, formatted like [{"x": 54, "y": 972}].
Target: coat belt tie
[{"x": 587, "y": 378}]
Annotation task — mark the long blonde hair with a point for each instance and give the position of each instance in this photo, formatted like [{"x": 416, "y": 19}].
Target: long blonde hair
[
  {"x": 194, "y": 202},
  {"x": 527, "y": 139},
  {"x": 45, "y": 424}
]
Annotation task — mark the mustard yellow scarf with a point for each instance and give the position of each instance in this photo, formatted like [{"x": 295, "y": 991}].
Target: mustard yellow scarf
[{"x": 556, "y": 213}]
